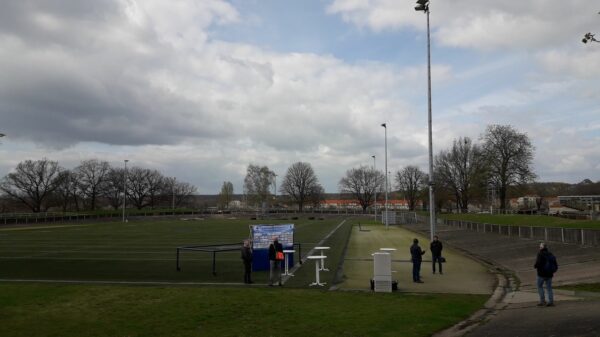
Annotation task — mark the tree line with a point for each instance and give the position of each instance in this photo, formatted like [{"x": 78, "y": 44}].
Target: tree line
[
  {"x": 500, "y": 160},
  {"x": 93, "y": 184}
]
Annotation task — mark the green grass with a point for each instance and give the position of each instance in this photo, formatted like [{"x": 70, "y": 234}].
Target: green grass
[
  {"x": 524, "y": 220},
  {"x": 55, "y": 310},
  {"x": 138, "y": 250},
  {"x": 589, "y": 287}
]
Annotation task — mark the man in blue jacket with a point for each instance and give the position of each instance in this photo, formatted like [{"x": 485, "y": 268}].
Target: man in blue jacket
[
  {"x": 416, "y": 255},
  {"x": 546, "y": 266}
]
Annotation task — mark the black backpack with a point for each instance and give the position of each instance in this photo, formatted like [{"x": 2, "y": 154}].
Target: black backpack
[{"x": 551, "y": 266}]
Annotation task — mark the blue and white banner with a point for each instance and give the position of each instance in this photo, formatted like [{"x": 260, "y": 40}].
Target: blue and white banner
[{"x": 262, "y": 235}]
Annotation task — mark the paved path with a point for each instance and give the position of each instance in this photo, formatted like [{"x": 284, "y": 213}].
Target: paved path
[
  {"x": 462, "y": 276},
  {"x": 572, "y": 315}
]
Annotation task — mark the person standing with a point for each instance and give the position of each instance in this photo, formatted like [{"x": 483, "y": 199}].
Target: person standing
[
  {"x": 275, "y": 258},
  {"x": 546, "y": 266},
  {"x": 247, "y": 258},
  {"x": 416, "y": 255},
  {"x": 436, "y": 253}
]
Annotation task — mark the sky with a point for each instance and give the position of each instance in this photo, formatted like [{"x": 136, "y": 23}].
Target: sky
[{"x": 199, "y": 89}]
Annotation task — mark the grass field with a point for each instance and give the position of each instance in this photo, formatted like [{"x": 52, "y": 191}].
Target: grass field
[
  {"x": 524, "y": 220},
  {"x": 143, "y": 252},
  {"x": 74, "y": 310},
  {"x": 136, "y": 251}
]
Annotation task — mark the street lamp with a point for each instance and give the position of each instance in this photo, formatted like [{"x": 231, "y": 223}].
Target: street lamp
[
  {"x": 174, "y": 182},
  {"x": 275, "y": 185},
  {"x": 375, "y": 172},
  {"x": 423, "y": 6},
  {"x": 386, "y": 178},
  {"x": 124, "y": 188}
]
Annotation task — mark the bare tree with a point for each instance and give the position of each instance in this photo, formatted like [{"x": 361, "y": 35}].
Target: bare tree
[
  {"x": 91, "y": 175},
  {"x": 410, "y": 181},
  {"x": 137, "y": 186},
  {"x": 66, "y": 191},
  {"x": 508, "y": 156},
  {"x": 257, "y": 183},
  {"x": 316, "y": 195},
  {"x": 460, "y": 170},
  {"x": 32, "y": 183},
  {"x": 299, "y": 181},
  {"x": 226, "y": 194},
  {"x": 156, "y": 183},
  {"x": 183, "y": 192},
  {"x": 362, "y": 183},
  {"x": 113, "y": 188}
]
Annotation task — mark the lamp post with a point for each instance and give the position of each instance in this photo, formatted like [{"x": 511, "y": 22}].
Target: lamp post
[
  {"x": 275, "y": 186},
  {"x": 124, "y": 188},
  {"x": 386, "y": 178},
  {"x": 375, "y": 172},
  {"x": 423, "y": 6},
  {"x": 173, "y": 187}
]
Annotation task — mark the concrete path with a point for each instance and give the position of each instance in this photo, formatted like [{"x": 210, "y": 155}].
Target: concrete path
[
  {"x": 518, "y": 314},
  {"x": 462, "y": 275}
]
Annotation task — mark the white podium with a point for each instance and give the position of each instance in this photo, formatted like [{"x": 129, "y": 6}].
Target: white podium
[
  {"x": 323, "y": 249},
  {"x": 286, "y": 253},
  {"x": 317, "y": 269}
]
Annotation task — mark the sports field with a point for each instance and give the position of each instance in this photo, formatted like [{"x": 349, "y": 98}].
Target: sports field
[
  {"x": 144, "y": 295},
  {"x": 141, "y": 251}
]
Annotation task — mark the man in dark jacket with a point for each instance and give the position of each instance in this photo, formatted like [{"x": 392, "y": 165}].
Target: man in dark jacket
[
  {"x": 436, "y": 253},
  {"x": 247, "y": 258},
  {"x": 546, "y": 266},
  {"x": 275, "y": 264},
  {"x": 416, "y": 255}
]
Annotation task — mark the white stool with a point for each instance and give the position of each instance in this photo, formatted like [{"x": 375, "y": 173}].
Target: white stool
[
  {"x": 287, "y": 252},
  {"x": 317, "y": 279},
  {"x": 322, "y": 249}
]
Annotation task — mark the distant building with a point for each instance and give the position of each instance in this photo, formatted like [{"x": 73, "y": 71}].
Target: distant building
[
  {"x": 394, "y": 204},
  {"x": 581, "y": 202}
]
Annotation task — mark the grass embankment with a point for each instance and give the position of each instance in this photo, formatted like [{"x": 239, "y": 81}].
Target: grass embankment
[
  {"x": 524, "y": 220},
  {"x": 588, "y": 287},
  {"x": 55, "y": 310}
]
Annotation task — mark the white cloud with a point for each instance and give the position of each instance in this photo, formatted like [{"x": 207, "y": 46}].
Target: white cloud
[{"x": 478, "y": 24}]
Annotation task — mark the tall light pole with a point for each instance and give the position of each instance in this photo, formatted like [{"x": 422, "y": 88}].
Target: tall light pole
[
  {"x": 173, "y": 187},
  {"x": 423, "y": 6},
  {"x": 375, "y": 172},
  {"x": 386, "y": 177},
  {"x": 275, "y": 185},
  {"x": 124, "y": 187}
]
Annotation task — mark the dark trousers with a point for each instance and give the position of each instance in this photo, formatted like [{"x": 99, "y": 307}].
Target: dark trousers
[
  {"x": 416, "y": 271},
  {"x": 247, "y": 271},
  {"x": 437, "y": 258}
]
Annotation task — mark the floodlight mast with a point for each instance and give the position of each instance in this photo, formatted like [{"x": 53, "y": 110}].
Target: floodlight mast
[
  {"x": 423, "y": 6},
  {"x": 375, "y": 172}
]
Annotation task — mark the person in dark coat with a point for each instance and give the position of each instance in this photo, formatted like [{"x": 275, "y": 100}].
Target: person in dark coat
[
  {"x": 416, "y": 255},
  {"x": 436, "y": 253},
  {"x": 275, "y": 264},
  {"x": 247, "y": 258},
  {"x": 544, "y": 275}
]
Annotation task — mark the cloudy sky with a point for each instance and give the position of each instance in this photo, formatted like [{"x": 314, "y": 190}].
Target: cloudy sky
[{"x": 201, "y": 88}]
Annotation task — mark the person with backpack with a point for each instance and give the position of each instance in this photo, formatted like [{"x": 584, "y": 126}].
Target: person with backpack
[{"x": 546, "y": 266}]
